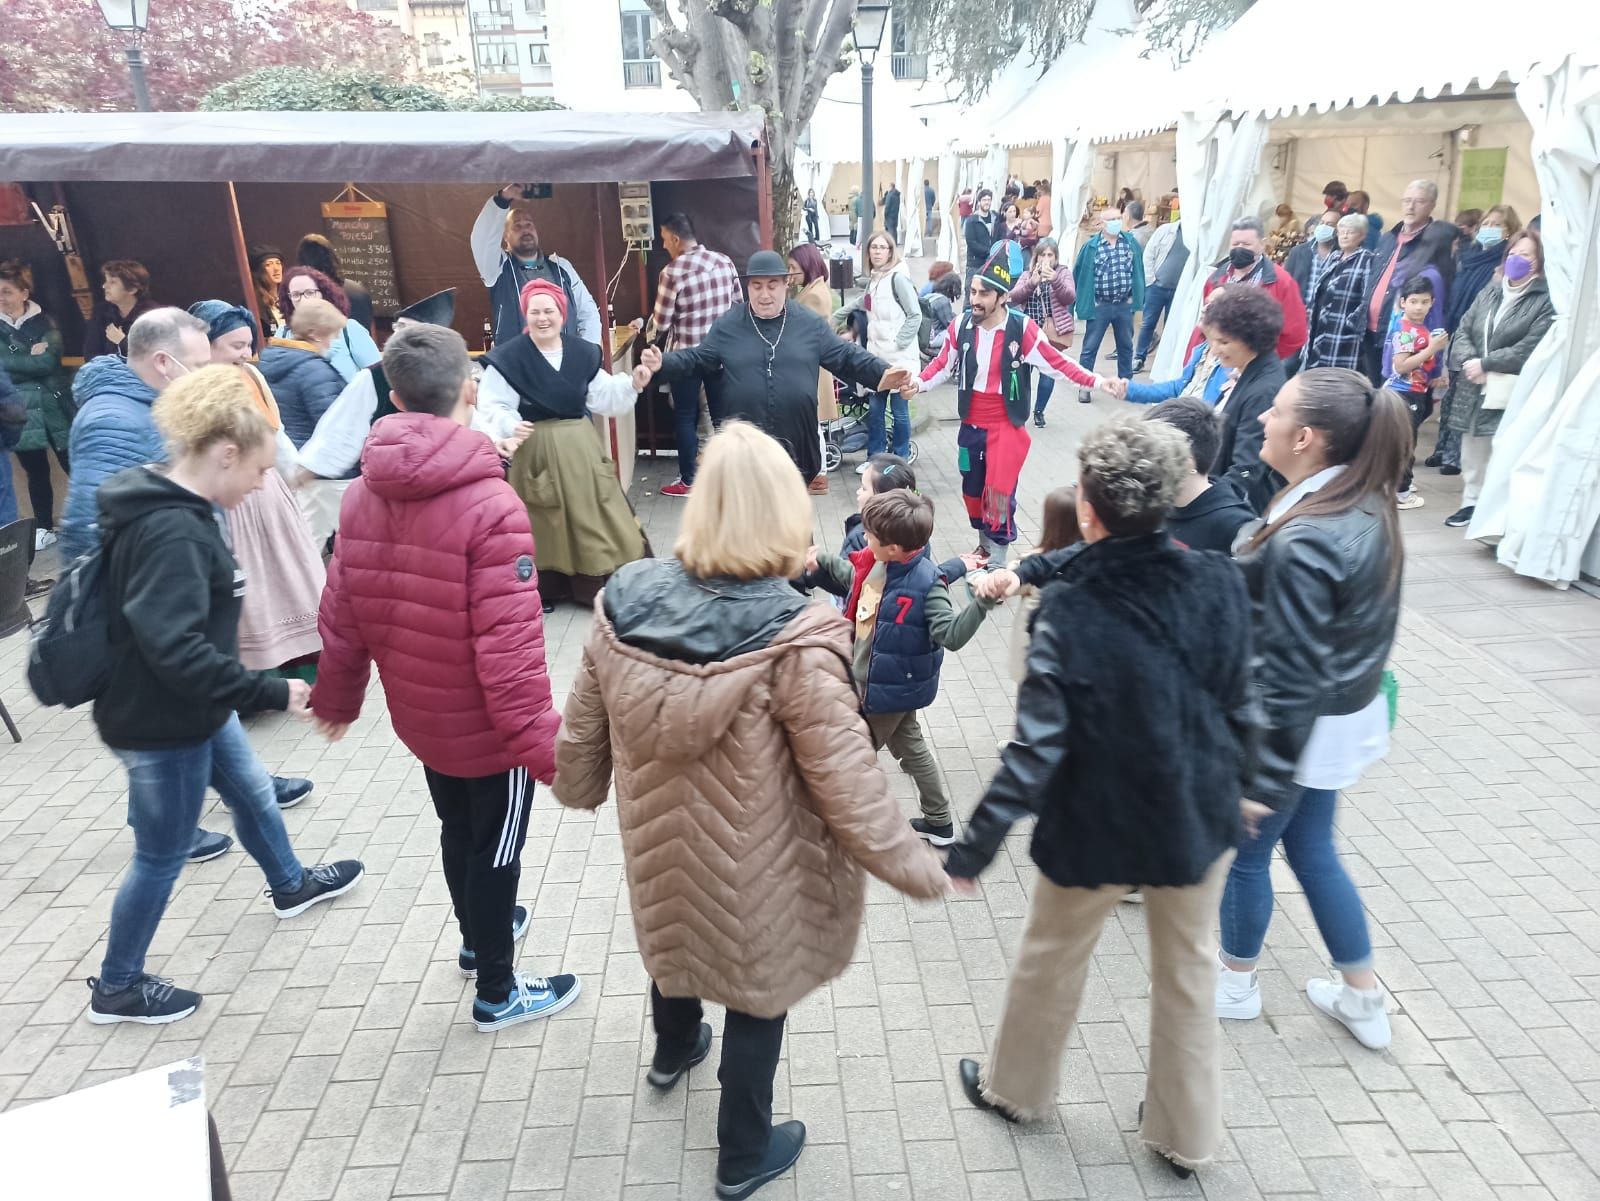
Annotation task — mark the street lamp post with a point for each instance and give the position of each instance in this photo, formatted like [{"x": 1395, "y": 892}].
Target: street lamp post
[
  {"x": 131, "y": 17},
  {"x": 872, "y": 17}
]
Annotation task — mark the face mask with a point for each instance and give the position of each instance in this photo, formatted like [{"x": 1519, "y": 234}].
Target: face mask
[
  {"x": 1518, "y": 267},
  {"x": 1241, "y": 258},
  {"x": 1113, "y": 227},
  {"x": 1490, "y": 235},
  {"x": 1323, "y": 233}
]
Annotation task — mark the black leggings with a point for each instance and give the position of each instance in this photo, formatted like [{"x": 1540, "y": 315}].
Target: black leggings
[{"x": 41, "y": 494}]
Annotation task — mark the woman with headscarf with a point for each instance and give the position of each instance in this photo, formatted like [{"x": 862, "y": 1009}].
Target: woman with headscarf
[
  {"x": 271, "y": 541},
  {"x": 536, "y": 398},
  {"x": 353, "y": 350}
]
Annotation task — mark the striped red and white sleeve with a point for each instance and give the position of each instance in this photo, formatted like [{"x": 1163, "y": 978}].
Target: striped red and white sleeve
[
  {"x": 1037, "y": 351},
  {"x": 944, "y": 364}
]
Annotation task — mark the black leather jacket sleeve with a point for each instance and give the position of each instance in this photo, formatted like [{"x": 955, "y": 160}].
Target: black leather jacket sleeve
[
  {"x": 1029, "y": 760},
  {"x": 1298, "y": 598}
]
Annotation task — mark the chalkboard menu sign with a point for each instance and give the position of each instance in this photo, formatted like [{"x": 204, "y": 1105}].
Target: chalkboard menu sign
[{"x": 359, "y": 230}]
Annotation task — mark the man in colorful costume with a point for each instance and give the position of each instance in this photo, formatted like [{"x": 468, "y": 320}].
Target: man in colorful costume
[{"x": 989, "y": 348}]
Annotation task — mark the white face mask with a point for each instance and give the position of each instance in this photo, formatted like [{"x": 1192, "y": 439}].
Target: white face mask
[{"x": 1323, "y": 233}]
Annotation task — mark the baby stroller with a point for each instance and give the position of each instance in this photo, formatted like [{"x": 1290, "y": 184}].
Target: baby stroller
[{"x": 848, "y": 435}]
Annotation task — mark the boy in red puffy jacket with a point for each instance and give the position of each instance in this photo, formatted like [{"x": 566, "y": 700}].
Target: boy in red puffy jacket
[{"x": 432, "y": 579}]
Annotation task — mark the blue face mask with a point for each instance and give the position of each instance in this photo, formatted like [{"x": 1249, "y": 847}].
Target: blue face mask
[
  {"x": 1114, "y": 227},
  {"x": 1323, "y": 233},
  {"x": 1490, "y": 235}
]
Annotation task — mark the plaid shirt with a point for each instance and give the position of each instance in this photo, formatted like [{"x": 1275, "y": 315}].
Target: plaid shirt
[
  {"x": 1337, "y": 314},
  {"x": 694, "y": 290},
  {"x": 1113, "y": 271}
]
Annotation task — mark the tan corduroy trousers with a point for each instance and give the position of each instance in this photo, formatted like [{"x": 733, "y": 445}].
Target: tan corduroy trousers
[{"x": 1183, "y": 1093}]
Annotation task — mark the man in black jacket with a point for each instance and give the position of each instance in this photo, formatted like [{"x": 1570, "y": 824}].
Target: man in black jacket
[
  {"x": 760, "y": 362},
  {"x": 1133, "y": 724},
  {"x": 1418, "y": 241},
  {"x": 978, "y": 233}
]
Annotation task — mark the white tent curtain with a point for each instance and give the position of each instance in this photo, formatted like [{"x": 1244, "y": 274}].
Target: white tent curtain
[
  {"x": 913, "y": 211},
  {"x": 1541, "y": 497},
  {"x": 1217, "y": 160},
  {"x": 949, "y": 171},
  {"x": 1075, "y": 162}
]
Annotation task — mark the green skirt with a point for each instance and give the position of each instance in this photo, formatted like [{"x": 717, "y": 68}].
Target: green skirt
[{"x": 582, "y": 522}]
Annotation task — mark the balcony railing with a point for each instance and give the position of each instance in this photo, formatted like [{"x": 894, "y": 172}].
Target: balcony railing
[
  {"x": 378, "y": 6},
  {"x": 909, "y": 66},
  {"x": 641, "y": 73}
]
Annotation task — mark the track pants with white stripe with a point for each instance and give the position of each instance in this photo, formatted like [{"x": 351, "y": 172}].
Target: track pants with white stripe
[{"x": 483, "y": 824}]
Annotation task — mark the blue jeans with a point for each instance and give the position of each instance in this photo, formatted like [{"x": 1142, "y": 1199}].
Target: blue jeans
[
  {"x": 8, "y": 492},
  {"x": 686, "y": 425},
  {"x": 1157, "y": 300},
  {"x": 166, "y": 790},
  {"x": 1118, "y": 318},
  {"x": 900, "y": 411},
  {"x": 1042, "y": 392},
  {"x": 1306, "y": 832}
]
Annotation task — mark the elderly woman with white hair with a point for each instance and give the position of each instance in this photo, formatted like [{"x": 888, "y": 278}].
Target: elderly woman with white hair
[{"x": 1336, "y": 308}]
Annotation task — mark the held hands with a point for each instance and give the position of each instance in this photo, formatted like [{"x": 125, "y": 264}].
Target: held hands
[
  {"x": 1253, "y": 813},
  {"x": 651, "y": 358},
  {"x": 508, "y": 446},
  {"x": 642, "y": 376},
  {"x": 898, "y": 379},
  {"x": 1116, "y": 388},
  {"x": 299, "y": 700},
  {"x": 975, "y": 562}
]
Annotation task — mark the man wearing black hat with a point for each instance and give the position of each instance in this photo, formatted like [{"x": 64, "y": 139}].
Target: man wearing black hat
[
  {"x": 760, "y": 361},
  {"x": 988, "y": 350},
  {"x": 333, "y": 452}
]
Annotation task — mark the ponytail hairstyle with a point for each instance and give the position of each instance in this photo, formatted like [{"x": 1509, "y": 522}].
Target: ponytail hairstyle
[{"x": 1367, "y": 430}]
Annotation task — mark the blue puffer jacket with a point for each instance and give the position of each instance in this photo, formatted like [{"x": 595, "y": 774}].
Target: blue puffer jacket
[
  {"x": 303, "y": 383},
  {"x": 903, "y": 674},
  {"x": 113, "y": 430}
]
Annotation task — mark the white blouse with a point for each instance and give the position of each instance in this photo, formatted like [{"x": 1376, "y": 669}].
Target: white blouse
[
  {"x": 1342, "y": 745},
  {"x": 610, "y": 395}
]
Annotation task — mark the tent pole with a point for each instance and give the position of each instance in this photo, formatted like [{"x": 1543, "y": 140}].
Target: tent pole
[
  {"x": 241, "y": 259},
  {"x": 763, "y": 192}
]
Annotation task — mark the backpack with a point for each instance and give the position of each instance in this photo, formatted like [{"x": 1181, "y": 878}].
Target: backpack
[{"x": 70, "y": 659}]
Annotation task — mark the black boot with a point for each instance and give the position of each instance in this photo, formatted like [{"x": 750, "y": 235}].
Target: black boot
[
  {"x": 665, "y": 1070},
  {"x": 972, "y": 1085},
  {"x": 783, "y": 1149}
]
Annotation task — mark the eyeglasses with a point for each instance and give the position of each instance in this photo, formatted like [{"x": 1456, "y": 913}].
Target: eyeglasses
[{"x": 306, "y": 294}]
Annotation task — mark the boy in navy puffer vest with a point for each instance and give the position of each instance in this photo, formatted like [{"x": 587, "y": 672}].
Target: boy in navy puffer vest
[{"x": 904, "y": 622}]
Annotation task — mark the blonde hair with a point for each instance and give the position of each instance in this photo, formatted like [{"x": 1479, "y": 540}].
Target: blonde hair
[
  {"x": 749, "y": 515},
  {"x": 315, "y": 318},
  {"x": 211, "y": 405}
]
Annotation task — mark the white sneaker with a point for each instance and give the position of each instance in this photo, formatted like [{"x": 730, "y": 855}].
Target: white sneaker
[
  {"x": 1238, "y": 993},
  {"x": 862, "y": 470},
  {"x": 1410, "y": 500},
  {"x": 43, "y": 538},
  {"x": 1360, "y": 1009}
]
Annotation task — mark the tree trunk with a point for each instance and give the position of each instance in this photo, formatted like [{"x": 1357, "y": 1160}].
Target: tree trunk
[{"x": 785, "y": 200}]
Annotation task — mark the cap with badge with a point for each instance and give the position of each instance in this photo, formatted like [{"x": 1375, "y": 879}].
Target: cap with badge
[{"x": 1004, "y": 268}]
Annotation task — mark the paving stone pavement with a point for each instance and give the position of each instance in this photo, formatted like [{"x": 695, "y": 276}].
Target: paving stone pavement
[{"x": 341, "y": 1063}]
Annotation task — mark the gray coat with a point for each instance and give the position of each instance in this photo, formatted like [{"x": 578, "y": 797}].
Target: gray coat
[{"x": 1505, "y": 350}]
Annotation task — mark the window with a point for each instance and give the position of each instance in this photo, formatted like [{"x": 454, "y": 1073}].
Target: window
[
  {"x": 905, "y": 60},
  {"x": 540, "y": 72},
  {"x": 377, "y": 6},
  {"x": 639, "y": 66},
  {"x": 491, "y": 14},
  {"x": 433, "y": 49},
  {"x": 534, "y": 8},
  {"x": 497, "y": 55}
]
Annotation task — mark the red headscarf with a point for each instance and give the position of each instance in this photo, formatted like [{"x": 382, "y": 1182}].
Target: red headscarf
[{"x": 543, "y": 287}]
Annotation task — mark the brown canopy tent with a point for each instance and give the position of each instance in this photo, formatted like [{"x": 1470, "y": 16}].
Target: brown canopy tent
[{"x": 188, "y": 193}]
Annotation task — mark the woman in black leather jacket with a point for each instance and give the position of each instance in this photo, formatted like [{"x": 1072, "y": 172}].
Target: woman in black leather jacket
[{"x": 1324, "y": 577}]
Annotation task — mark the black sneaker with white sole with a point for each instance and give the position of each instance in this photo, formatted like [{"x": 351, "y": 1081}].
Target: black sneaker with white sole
[
  {"x": 1460, "y": 517},
  {"x": 289, "y": 791},
  {"x": 784, "y": 1145},
  {"x": 467, "y": 960},
  {"x": 666, "y": 1070},
  {"x": 208, "y": 844},
  {"x": 149, "y": 1001},
  {"x": 939, "y": 836},
  {"x": 320, "y": 883}
]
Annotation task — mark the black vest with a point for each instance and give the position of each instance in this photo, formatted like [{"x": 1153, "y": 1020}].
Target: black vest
[
  {"x": 1013, "y": 378},
  {"x": 544, "y": 393}
]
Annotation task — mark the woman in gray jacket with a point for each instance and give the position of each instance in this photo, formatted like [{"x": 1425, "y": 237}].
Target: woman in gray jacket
[{"x": 1495, "y": 338}]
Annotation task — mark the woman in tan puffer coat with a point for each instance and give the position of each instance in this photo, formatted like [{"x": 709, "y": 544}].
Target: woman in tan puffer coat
[{"x": 749, "y": 795}]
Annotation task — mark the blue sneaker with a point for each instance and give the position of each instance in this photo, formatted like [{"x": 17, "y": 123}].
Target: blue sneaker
[
  {"x": 467, "y": 960},
  {"x": 531, "y": 997},
  {"x": 208, "y": 844}
]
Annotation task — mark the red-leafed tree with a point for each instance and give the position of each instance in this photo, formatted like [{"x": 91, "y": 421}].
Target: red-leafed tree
[{"x": 58, "y": 55}]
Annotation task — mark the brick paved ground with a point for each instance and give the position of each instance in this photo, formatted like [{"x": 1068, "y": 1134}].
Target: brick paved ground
[{"x": 341, "y": 1063}]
